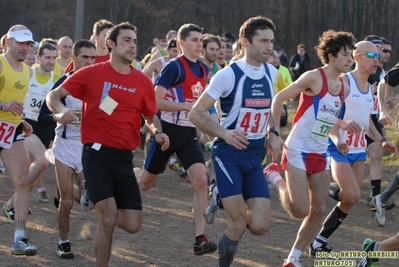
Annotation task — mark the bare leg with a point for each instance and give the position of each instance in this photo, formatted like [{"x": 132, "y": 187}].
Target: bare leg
[
  {"x": 197, "y": 175},
  {"x": 64, "y": 175},
  {"x": 17, "y": 163},
  {"x": 106, "y": 221},
  {"x": 318, "y": 192},
  {"x": 390, "y": 244}
]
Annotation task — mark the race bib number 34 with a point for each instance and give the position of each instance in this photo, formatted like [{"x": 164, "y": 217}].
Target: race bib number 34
[
  {"x": 7, "y": 132},
  {"x": 253, "y": 122}
]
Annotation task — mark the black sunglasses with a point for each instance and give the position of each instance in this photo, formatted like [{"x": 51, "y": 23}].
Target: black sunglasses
[{"x": 386, "y": 50}]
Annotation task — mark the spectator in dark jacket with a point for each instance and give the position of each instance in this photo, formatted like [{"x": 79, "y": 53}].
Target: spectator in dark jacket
[{"x": 299, "y": 63}]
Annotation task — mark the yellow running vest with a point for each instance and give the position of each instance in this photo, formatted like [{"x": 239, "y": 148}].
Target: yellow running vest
[{"x": 13, "y": 86}]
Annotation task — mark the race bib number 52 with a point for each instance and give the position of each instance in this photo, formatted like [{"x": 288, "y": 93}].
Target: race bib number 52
[{"x": 7, "y": 132}]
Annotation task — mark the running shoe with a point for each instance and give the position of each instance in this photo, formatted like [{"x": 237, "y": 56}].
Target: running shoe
[
  {"x": 204, "y": 246},
  {"x": 269, "y": 169},
  {"x": 43, "y": 196},
  {"x": 380, "y": 210},
  {"x": 368, "y": 245},
  {"x": 8, "y": 213},
  {"x": 23, "y": 247},
  {"x": 388, "y": 206},
  {"x": 64, "y": 251},
  {"x": 211, "y": 210},
  {"x": 292, "y": 263},
  {"x": 323, "y": 249},
  {"x": 85, "y": 201}
]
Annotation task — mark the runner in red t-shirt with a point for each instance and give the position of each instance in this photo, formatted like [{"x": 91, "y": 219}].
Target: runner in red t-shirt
[{"x": 113, "y": 94}]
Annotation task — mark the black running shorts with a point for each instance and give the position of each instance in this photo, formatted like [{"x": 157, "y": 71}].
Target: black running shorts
[{"x": 109, "y": 173}]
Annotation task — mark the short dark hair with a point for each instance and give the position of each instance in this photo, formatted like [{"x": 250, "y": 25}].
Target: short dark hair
[
  {"x": 210, "y": 38},
  {"x": 170, "y": 34},
  {"x": 332, "y": 42},
  {"x": 228, "y": 37},
  {"x": 301, "y": 46},
  {"x": 184, "y": 31},
  {"x": 77, "y": 46},
  {"x": 48, "y": 46},
  {"x": 113, "y": 33},
  {"x": 100, "y": 25},
  {"x": 386, "y": 41},
  {"x": 48, "y": 40},
  {"x": 248, "y": 29}
]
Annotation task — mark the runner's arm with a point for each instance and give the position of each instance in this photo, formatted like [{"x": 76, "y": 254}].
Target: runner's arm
[
  {"x": 155, "y": 126},
  {"x": 63, "y": 114},
  {"x": 200, "y": 117},
  {"x": 166, "y": 105},
  {"x": 384, "y": 117}
]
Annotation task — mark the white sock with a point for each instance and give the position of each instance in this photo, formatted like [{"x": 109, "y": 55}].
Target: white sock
[
  {"x": 18, "y": 235},
  {"x": 274, "y": 177},
  {"x": 294, "y": 253},
  {"x": 316, "y": 244},
  {"x": 62, "y": 241},
  {"x": 42, "y": 189}
]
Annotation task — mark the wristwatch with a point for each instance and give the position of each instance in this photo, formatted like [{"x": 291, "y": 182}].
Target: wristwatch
[{"x": 274, "y": 130}]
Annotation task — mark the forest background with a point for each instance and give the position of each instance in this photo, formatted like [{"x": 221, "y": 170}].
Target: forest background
[{"x": 297, "y": 21}]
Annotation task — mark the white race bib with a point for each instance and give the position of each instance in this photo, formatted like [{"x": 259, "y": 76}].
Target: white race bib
[
  {"x": 7, "y": 132},
  {"x": 253, "y": 122},
  {"x": 76, "y": 124},
  {"x": 183, "y": 118},
  {"x": 322, "y": 126}
]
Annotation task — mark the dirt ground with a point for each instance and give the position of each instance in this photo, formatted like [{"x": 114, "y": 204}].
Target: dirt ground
[{"x": 167, "y": 235}]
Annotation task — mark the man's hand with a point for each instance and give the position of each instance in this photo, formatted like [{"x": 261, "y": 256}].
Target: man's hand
[
  {"x": 385, "y": 118},
  {"x": 26, "y": 128},
  {"x": 274, "y": 144},
  {"x": 163, "y": 140},
  {"x": 350, "y": 126},
  {"x": 66, "y": 117},
  {"x": 237, "y": 139},
  {"x": 391, "y": 147},
  {"x": 16, "y": 108},
  {"x": 343, "y": 147}
]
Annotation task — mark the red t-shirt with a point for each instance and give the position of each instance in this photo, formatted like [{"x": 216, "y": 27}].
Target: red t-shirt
[
  {"x": 133, "y": 93},
  {"x": 97, "y": 60},
  {"x": 102, "y": 58}
]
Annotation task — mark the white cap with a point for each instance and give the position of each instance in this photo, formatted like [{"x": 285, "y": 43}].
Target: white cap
[{"x": 21, "y": 36}]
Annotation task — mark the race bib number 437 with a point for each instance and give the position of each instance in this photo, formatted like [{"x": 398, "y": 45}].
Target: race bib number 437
[{"x": 253, "y": 122}]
